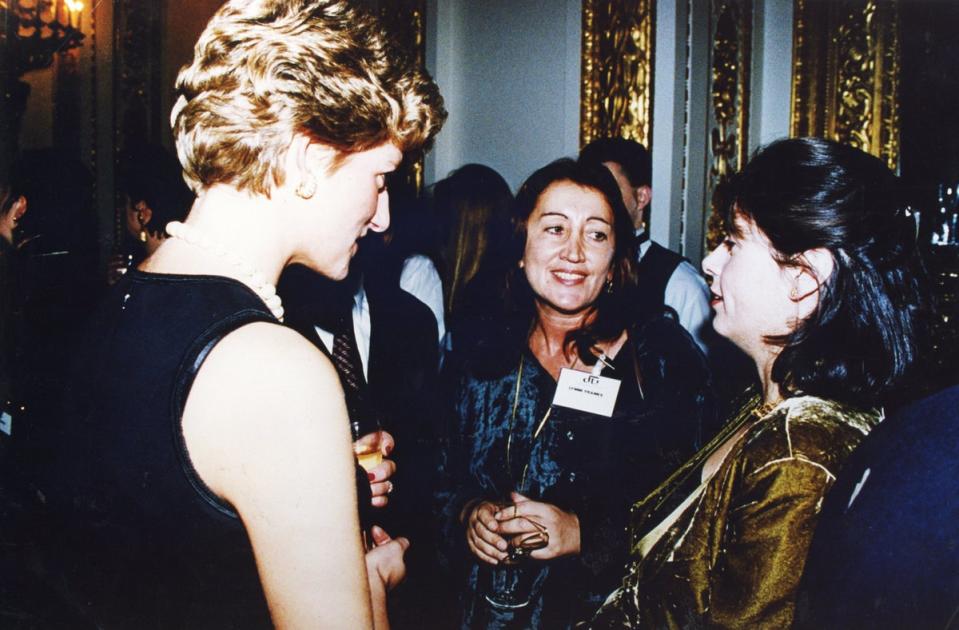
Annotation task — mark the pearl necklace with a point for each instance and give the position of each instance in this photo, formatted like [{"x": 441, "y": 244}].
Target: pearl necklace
[{"x": 248, "y": 274}]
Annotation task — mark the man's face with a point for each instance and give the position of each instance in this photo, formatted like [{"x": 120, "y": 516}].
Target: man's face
[{"x": 631, "y": 195}]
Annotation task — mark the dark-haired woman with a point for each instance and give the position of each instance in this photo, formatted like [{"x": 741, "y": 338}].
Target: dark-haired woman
[
  {"x": 818, "y": 282},
  {"x": 529, "y": 464},
  {"x": 472, "y": 205},
  {"x": 154, "y": 194}
]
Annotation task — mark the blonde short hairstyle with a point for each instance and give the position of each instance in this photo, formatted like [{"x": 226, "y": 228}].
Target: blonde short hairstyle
[{"x": 263, "y": 70}]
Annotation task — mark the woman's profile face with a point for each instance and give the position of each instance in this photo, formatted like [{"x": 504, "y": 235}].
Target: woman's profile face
[
  {"x": 569, "y": 247},
  {"x": 347, "y": 203},
  {"x": 750, "y": 289}
]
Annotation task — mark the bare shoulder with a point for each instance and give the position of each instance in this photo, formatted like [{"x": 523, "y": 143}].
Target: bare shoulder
[
  {"x": 266, "y": 430},
  {"x": 270, "y": 352},
  {"x": 263, "y": 394}
]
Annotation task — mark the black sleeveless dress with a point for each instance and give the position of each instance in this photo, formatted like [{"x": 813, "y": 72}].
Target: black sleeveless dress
[{"x": 142, "y": 542}]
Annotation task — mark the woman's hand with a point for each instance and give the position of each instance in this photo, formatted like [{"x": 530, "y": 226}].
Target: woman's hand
[
  {"x": 384, "y": 570},
  {"x": 384, "y": 561},
  {"x": 481, "y": 533},
  {"x": 562, "y": 526},
  {"x": 379, "y": 475}
]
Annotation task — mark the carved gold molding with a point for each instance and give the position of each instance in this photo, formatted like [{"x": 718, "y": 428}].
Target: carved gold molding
[
  {"x": 617, "y": 70},
  {"x": 731, "y": 47},
  {"x": 846, "y": 67},
  {"x": 406, "y": 21}
]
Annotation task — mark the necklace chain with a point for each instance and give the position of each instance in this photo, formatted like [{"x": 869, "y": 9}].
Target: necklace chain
[{"x": 249, "y": 275}]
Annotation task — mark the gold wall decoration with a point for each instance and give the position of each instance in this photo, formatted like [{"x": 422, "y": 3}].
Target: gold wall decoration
[
  {"x": 617, "y": 70},
  {"x": 405, "y": 20},
  {"x": 846, "y": 74},
  {"x": 731, "y": 51}
]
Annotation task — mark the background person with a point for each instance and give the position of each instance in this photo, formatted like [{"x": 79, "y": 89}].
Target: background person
[
  {"x": 573, "y": 473},
  {"x": 664, "y": 277},
  {"x": 205, "y": 452},
  {"x": 885, "y": 551},
  {"x": 472, "y": 207},
  {"x": 154, "y": 193},
  {"x": 818, "y": 281}
]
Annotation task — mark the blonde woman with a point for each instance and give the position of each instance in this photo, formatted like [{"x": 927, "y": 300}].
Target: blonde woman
[{"x": 207, "y": 453}]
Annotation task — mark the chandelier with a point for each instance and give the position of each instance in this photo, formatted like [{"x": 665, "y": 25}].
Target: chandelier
[{"x": 33, "y": 31}]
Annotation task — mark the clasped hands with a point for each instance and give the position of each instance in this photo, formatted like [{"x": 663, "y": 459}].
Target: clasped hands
[{"x": 491, "y": 527}]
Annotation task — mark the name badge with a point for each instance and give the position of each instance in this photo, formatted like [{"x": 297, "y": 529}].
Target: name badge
[{"x": 586, "y": 392}]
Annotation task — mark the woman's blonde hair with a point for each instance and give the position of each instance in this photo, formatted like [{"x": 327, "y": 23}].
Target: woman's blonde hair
[{"x": 263, "y": 70}]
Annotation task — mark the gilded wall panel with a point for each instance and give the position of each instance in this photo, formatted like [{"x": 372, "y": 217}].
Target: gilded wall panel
[
  {"x": 406, "y": 22},
  {"x": 731, "y": 51},
  {"x": 617, "y": 70},
  {"x": 846, "y": 74}
]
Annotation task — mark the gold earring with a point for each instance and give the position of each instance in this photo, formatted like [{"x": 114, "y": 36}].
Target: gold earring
[
  {"x": 306, "y": 188},
  {"x": 794, "y": 294},
  {"x": 143, "y": 236}
]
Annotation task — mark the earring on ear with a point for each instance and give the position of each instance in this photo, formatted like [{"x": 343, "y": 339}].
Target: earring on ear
[
  {"x": 609, "y": 287},
  {"x": 794, "y": 293},
  {"x": 143, "y": 232},
  {"x": 307, "y": 188},
  {"x": 520, "y": 264}
]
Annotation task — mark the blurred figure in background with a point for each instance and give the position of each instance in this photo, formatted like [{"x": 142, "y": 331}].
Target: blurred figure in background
[
  {"x": 154, "y": 193},
  {"x": 55, "y": 259},
  {"x": 12, "y": 207},
  {"x": 472, "y": 209},
  {"x": 665, "y": 277},
  {"x": 886, "y": 549}
]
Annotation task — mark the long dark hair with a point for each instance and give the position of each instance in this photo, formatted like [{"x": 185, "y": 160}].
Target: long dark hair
[
  {"x": 614, "y": 308},
  {"x": 472, "y": 207},
  {"x": 864, "y": 338}
]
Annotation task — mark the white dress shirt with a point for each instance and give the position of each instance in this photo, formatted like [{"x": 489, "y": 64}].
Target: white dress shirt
[
  {"x": 688, "y": 294},
  {"x": 361, "y": 328},
  {"x": 420, "y": 279}
]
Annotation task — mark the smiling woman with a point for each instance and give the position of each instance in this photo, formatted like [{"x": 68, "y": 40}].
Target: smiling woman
[
  {"x": 540, "y": 458},
  {"x": 567, "y": 261}
]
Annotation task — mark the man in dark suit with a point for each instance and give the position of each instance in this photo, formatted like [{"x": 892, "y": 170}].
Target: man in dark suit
[
  {"x": 396, "y": 339},
  {"x": 886, "y": 549}
]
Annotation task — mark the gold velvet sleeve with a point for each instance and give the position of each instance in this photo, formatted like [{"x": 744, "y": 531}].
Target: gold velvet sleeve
[{"x": 763, "y": 549}]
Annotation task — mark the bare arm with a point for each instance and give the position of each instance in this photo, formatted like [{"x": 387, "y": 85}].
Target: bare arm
[{"x": 265, "y": 427}]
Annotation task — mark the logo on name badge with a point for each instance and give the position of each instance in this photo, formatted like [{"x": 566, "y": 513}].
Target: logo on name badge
[{"x": 586, "y": 392}]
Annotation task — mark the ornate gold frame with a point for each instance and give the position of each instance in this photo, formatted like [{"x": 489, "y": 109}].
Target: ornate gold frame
[
  {"x": 846, "y": 74},
  {"x": 617, "y": 70},
  {"x": 406, "y": 20},
  {"x": 731, "y": 53}
]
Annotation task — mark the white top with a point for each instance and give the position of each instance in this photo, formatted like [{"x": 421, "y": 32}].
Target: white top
[
  {"x": 361, "y": 328},
  {"x": 420, "y": 279},
  {"x": 688, "y": 294}
]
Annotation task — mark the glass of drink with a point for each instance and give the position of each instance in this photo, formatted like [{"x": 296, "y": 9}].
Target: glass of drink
[
  {"x": 512, "y": 582},
  {"x": 367, "y": 442},
  {"x": 368, "y": 449}
]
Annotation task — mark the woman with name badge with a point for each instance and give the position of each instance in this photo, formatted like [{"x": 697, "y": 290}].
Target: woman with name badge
[{"x": 569, "y": 415}]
